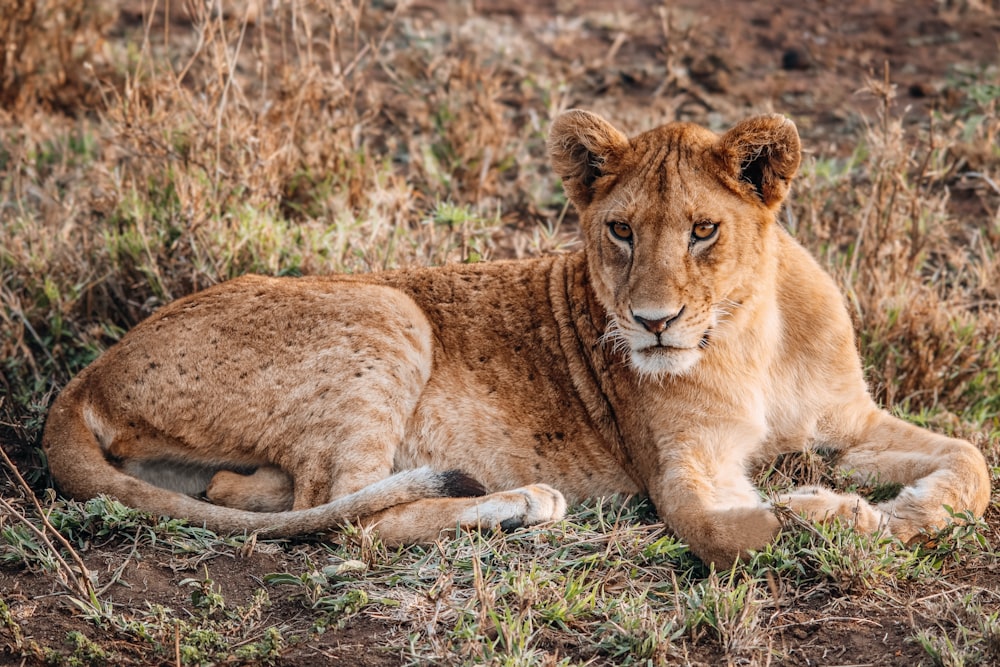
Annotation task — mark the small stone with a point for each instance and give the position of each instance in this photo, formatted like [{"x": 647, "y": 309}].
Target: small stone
[
  {"x": 922, "y": 89},
  {"x": 795, "y": 59}
]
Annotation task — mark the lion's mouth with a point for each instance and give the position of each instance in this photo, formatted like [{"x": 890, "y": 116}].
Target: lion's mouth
[{"x": 661, "y": 348}]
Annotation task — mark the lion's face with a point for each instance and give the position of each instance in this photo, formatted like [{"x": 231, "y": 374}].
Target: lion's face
[{"x": 678, "y": 224}]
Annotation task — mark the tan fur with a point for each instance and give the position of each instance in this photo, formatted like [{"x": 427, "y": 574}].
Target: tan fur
[{"x": 652, "y": 361}]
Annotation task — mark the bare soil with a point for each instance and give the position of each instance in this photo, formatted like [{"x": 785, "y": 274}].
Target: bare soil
[{"x": 805, "y": 59}]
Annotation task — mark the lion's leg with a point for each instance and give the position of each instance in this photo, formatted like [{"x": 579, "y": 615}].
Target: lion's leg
[
  {"x": 424, "y": 520},
  {"x": 352, "y": 445},
  {"x": 267, "y": 489},
  {"x": 349, "y": 461},
  {"x": 935, "y": 472},
  {"x": 720, "y": 528},
  {"x": 821, "y": 504},
  {"x": 331, "y": 460},
  {"x": 702, "y": 490},
  {"x": 345, "y": 458},
  {"x": 335, "y": 426}
]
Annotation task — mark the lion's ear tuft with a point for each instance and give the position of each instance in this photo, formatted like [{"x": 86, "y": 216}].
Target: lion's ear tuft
[
  {"x": 582, "y": 146},
  {"x": 764, "y": 152}
]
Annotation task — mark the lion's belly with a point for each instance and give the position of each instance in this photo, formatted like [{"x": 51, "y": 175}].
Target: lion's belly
[{"x": 507, "y": 439}]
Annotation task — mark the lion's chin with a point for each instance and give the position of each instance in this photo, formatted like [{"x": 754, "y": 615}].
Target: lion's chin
[{"x": 658, "y": 361}]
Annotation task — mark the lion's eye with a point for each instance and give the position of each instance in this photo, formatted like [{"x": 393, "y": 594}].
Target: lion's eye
[
  {"x": 704, "y": 230},
  {"x": 621, "y": 231}
]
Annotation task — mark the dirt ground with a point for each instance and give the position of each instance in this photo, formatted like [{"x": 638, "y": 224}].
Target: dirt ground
[{"x": 805, "y": 59}]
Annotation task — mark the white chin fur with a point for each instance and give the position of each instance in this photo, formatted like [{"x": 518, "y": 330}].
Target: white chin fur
[{"x": 656, "y": 362}]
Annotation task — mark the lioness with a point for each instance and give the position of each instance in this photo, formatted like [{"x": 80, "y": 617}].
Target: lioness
[{"x": 690, "y": 336}]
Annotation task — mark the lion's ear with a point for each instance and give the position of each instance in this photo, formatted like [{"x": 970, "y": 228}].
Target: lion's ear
[
  {"x": 582, "y": 147},
  {"x": 763, "y": 152}
]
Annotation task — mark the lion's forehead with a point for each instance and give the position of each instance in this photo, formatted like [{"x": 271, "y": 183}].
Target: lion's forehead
[
  {"x": 668, "y": 174},
  {"x": 667, "y": 195}
]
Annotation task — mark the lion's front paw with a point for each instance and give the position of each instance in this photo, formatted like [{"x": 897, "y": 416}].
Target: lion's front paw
[
  {"x": 509, "y": 510},
  {"x": 725, "y": 536},
  {"x": 820, "y": 504}
]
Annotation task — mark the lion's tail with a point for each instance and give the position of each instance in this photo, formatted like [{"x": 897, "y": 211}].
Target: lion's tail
[{"x": 82, "y": 472}]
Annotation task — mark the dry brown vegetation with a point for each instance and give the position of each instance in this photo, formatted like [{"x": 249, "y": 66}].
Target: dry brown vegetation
[{"x": 155, "y": 148}]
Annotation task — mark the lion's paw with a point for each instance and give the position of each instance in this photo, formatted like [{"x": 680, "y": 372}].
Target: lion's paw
[
  {"x": 268, "y": 489},
  {"x": 819, "y": 504},
  {"x": 509, "y": 510},
  {"x": 725, "y": 536}
]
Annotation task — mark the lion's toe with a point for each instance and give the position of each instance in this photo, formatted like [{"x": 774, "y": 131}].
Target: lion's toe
[
  {"x": 544, "y": 503},
  {"x": 510, "y": 510},
  {"x": 819, "y": 504}
]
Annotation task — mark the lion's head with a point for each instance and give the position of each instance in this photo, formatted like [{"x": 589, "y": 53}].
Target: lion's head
[{"x": 678, "y": 225}]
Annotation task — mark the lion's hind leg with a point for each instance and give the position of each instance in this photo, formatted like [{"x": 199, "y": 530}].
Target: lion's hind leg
[
  {"x": 267, "y": 489},
  {"x": 424, "y": 521},
  {"x": 339, "y": 431}
]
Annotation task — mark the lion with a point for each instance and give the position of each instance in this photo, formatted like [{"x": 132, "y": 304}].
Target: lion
[{"x": 690, "y": 338}]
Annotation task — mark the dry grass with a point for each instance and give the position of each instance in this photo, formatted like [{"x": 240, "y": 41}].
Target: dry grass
[
  {"x": 151, "y": 158},
  {"x": 921, "y": 280}
]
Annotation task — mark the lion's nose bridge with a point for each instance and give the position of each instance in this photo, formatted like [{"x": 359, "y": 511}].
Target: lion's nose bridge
[{"x": 657, "y": 290}]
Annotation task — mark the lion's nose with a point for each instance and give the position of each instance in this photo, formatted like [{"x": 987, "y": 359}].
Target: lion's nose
[{"x": 657, "y": 325}]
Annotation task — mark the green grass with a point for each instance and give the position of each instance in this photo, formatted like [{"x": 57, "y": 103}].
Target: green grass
[{"x": 606, "y": 581}]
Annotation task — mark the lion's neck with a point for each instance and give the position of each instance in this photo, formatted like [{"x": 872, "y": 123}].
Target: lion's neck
[{"x": 739, "y": 355}]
